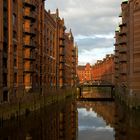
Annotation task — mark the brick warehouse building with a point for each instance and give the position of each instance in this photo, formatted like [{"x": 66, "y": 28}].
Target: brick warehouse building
[
  {"x": 60, "y": 45},
  {"x": 102, "y": 70},
  {"x": 70, "y": 60},
  {"x": 30, "y": 48},
  {"x": 84, "y": 73},
  {"x": 20, "y": 42},
  {"x": 66, "y": 56},
  {"x": 50, "y": 51},
  {"x": 127, "y": 53}
]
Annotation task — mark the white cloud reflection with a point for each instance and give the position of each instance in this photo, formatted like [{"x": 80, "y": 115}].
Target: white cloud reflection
[
  {"x": 106, "y": 128},
  {"x": 92, "y": 126}
]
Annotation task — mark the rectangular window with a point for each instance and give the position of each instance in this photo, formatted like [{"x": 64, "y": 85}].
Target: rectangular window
[
  {"x": 14, "y": 19},
  {"x": 15, "y": 62},
  {"x": 14, "y": 34},
  {"x": 15, "y": 78}
]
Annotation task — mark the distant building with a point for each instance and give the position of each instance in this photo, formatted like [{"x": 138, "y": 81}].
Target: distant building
[
  {"x": 103, "y": 70},
  {"x": 84, "y": 73}
]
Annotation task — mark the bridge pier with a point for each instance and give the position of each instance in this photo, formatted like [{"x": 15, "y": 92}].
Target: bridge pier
[
  {"x": 112, "y": 92},
  {"x": 79, "y": 92}
]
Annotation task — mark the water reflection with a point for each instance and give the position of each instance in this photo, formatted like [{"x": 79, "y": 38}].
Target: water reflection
[
  {"x": 127, "y": 123},
  {"x": 97, "y": 120},
  {"x": 92, "y": 125},
  {"x": 93, "y": 92},
  {"x": 108, "y": 121},
  {"x": 57, "y": 122}
]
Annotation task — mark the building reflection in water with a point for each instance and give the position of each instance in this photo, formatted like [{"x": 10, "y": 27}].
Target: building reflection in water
[
  {"x": 57, "y": 122},
  {"x": 125, "y": 123},
  {"x": 92, "y": 92}
]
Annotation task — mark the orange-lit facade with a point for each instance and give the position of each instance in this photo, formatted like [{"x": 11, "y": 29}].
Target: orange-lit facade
[
  {"x": 32, "y": 46},
  {"x": 50, "y": 51},
  {"x": 103, "y": 70},
  {"x": 66, "y": 54},
  {"x": 127, "y": 54},
  {"x": 84, "y": 73},
  {"x": 33, "y": 11},
  {"x": 19, "y": 44}
]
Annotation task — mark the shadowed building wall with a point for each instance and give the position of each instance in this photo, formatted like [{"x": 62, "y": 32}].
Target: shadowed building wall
[
  {"x": 70, "y": 58},
  {"x": 134, "y": 50},
  {"x": 60, "y": 47},
  {"x": 127, "y": 53},
  {"x": 1, "y": 48}
]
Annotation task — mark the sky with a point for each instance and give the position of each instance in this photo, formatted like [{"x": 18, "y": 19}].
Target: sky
[{"x": 93, "y": 24}]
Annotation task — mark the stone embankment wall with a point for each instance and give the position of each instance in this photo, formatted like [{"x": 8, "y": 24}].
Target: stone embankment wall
[{"x": 32, "y": 102}]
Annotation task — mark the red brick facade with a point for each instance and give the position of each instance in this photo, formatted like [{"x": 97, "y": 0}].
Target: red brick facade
[
  {"x": 103, "y": 70},
  {"x": 127, "y": 53},
  {"x": 36, "y": 53},
  {"x": 84, "y": 73}
]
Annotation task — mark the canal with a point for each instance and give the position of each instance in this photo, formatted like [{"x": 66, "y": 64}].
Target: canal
[{"x": 75, "y": 120}]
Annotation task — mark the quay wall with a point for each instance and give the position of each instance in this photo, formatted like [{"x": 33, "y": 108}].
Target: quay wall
[
  {"x": 32, "y": 102},
  {"x": 129, "y": 98}
]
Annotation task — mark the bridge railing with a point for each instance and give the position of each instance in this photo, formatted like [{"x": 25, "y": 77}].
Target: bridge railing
[{"x": 96, "y": 83}]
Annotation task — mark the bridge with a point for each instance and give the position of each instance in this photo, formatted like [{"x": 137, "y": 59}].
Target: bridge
[
  {"x": 96, "y": 99},
  {"x": 98, "y": 85}
]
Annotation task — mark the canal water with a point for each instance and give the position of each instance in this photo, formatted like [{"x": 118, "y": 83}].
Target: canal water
[{"x": 75, "y": 120}]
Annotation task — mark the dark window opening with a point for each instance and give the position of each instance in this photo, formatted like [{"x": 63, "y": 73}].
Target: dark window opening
[{"x": 5, "y": 96}]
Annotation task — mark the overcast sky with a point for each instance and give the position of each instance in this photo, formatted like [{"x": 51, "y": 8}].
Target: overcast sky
[{"x": 93, "y": 23}]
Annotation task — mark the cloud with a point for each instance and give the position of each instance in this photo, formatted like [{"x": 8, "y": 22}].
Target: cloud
[
  {"x": 90, "y": 43},
  {"x": 83, "y": 112},
  {"x": 106, "y": 128},
  {"x": 93, "y": 55},
  {"x": 92, "y": 22},
  {"x": 89, "y": 119},
  {"x": 88, "y": 17},
  {"x": 93, "y": 48}
]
